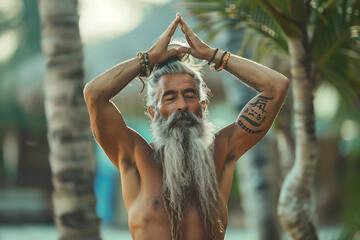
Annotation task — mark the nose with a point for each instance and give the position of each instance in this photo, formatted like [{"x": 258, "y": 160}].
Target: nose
[{"x": 181, "y": 104}]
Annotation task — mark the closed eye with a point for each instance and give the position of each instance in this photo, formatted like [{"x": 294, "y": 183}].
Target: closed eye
[{"x": 170, "y": 99}]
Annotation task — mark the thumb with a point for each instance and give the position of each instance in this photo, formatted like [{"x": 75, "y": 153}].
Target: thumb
[
  {"x": 172, "y": 52},
  {"x": 184, "y": 50}
]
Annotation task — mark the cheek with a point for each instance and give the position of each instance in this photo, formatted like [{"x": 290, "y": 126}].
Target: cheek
[
  {"x": 166, "y": 110},
  {"x": 198, "y": 109}
]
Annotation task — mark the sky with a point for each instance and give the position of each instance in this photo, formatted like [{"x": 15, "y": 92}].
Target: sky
[
  {"x": 109, "y": 18},
  {"x": 99, "y": 20}
]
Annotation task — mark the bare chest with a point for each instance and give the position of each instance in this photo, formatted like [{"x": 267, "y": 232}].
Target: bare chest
[{"x": 148, "y": 219}]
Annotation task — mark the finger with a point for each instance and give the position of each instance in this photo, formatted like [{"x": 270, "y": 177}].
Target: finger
[
  {"x": 186, "y": 28},
  {"x": 182, "y": 29},
  {"x": 188, "y": 39},
  {"x": 172, "y": 52},
  {"x": 172, "y": 27}
]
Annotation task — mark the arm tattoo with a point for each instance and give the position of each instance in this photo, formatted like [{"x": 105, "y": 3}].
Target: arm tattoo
[{"x": 254, "y": 114}]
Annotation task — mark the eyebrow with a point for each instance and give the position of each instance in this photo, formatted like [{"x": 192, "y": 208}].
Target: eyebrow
[
  {"x": 168, "y": 92},
  {"x": 192, "y": 90},
  {"x": 171, "y": 92}
]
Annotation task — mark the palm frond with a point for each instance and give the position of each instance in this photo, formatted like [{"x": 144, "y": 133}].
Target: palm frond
[
  {"x": 214, "y": 16},
  {"x": 287, "y": 24},
  {"x": 333, "y": 27},
  {"x": 336, "y": 47},
  {"x": 297, "y": 10},
  {"x": 262, "y": 50},
  {"x": 349, "y": 93},
  {"x": 281, "y": 5}
]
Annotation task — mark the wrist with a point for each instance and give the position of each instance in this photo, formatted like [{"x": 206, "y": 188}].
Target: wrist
[
  {"x": 210, "y": 54},
  {"x": 151, "y": 58},
  {"x": 218, "y": 56}
]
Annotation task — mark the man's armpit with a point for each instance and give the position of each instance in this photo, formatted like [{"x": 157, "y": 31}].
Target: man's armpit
[{"x": 254, "y": 114}]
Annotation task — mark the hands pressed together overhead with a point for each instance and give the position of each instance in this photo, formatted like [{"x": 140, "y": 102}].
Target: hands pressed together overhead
[{"x": 159, "y": 51}]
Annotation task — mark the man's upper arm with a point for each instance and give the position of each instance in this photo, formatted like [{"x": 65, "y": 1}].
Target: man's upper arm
[
  {"x": 254, "y": 121},
  {"x": 110, "y": 130}
]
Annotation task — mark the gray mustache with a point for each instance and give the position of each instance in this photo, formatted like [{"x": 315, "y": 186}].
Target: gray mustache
[{"x": 182, "y": 119}]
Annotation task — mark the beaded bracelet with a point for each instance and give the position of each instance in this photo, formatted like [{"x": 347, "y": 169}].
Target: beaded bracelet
[
  {"x": 140, "y": 56},
  {"x": 144, "y": 64},
  {"x": 224, "y": 63},
  {"x": 213, "y": 56},
  {"x": 216, "y": 66},
  {"x": 146, "y": 60}
]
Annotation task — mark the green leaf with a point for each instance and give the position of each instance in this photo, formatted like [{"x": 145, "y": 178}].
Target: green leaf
[
  {"x": 320, "y": 19},
  {"x": 289, "y": 28},
  {"x": 330, "y": 50},
  {"x": 297, "y": 10}
]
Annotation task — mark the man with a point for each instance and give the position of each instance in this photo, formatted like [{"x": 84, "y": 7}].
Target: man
[{"x": 177, "y": 187}]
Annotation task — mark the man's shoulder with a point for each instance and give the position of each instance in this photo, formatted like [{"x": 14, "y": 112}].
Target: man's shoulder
[
  {"x": 224, "y": 133},
  {"x": 141, "y": 149},
  {"x": 138, "y": 140}
]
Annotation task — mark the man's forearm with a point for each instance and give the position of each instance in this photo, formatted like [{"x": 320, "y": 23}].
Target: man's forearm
[
  {"x": 254, "y": 75},
  {"x": 112, "y": 81}
]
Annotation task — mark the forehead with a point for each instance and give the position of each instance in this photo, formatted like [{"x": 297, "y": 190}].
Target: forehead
[{"x": 176, "y": 82}]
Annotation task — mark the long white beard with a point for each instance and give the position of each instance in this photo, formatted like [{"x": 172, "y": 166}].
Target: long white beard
[{"x": 184, "y": 148}]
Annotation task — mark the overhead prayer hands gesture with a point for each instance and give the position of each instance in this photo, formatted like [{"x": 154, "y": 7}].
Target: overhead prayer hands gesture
[
  {"x": 159, "y": 51},
  {"x": 198, "y": 48}
]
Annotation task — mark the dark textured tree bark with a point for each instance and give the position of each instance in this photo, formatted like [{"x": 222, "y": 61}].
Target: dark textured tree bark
[{"x": 71, "y": 143}]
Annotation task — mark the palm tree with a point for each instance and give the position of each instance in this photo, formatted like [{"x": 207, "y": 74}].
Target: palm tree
[
  {"x": 321, "y": 40},
  {"x": 71, "y": 144}
]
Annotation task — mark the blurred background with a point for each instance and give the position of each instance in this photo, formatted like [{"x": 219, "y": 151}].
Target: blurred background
[{"x": 113, "y": 31}]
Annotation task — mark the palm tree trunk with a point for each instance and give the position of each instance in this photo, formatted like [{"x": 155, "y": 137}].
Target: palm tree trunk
[
  {"x": 285, "y": 140},
  {"x": 71, "y": 144},
  {"x": 295, "y": 207}
]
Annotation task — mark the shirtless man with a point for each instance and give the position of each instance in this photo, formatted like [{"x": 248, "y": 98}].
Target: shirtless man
[{"x": 177, "y": 187}]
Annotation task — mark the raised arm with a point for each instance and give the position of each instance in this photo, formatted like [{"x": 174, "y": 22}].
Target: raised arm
[
  {"x": 107, "y": 124},
  {"x": 258, "y": 115}
]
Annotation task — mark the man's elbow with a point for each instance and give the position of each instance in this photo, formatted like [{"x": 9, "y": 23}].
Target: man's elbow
[
  {"x": 282, "y": 85},
  {"x": 90, "y": 94}
]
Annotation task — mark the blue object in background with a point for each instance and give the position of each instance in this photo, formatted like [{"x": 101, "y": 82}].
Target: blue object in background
[{"x": 105, "y": 187}]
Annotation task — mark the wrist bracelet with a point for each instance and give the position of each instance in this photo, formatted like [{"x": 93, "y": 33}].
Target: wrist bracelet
[
  {"x": 224, "y": 63},
  {"x": 216, "y": 66},
  {"x": 144, "y": 64},
  {"x": 213, "y": 56},
  {"x": 146, "y": 60}
]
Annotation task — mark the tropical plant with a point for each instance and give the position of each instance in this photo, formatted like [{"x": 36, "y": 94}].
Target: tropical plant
[
  {"x": 321, "y": 40},
  {"x": 71, "y": 144}
]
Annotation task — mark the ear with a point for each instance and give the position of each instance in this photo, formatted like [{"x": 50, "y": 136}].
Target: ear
[
  {"x": 203, "y": 104},
  {"x": 151, "y": 111}
]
